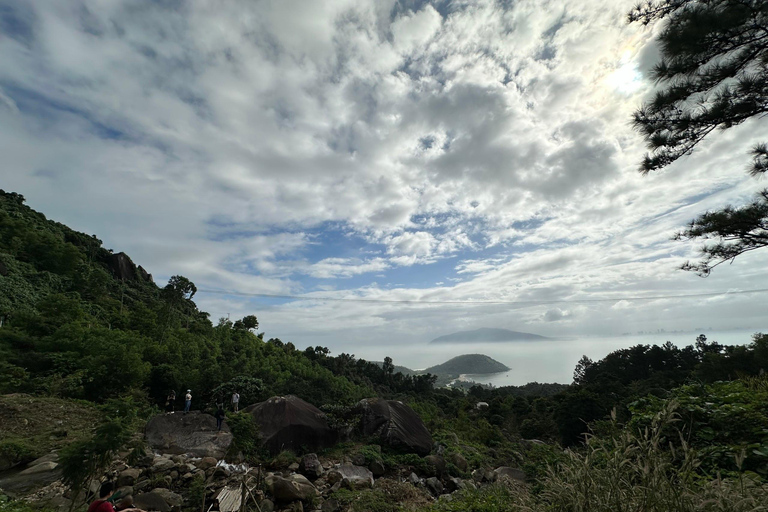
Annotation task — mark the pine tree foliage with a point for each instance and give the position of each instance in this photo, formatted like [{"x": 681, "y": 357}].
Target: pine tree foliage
[{"x": 714, "y": 74}]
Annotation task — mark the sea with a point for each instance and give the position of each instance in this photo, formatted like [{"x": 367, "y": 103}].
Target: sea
[{"x": 539, "y": 361}]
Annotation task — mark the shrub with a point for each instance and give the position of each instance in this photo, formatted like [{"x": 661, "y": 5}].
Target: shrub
[
  {"x": 245, "y": 435},
  {"x": 15, "y": 451}
]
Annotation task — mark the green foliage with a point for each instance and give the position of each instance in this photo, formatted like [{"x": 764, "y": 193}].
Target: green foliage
[
  {"x": 16, "y": 450},
  {"x": 492, "y": 498},
  {"x": 196, "y": 491},
  {"x": 9, "y": 505},
  {"x": 249, "y": 388},
  {"x": 245, "y": 435}
]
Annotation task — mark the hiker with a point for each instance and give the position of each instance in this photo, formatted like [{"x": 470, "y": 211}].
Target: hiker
[
  {"x": 102, "y": 505},
  {"x": 235, "y": 401},
  {"x": 170, "y": 402},
  {"x": 220, "y": 414},
  {"x": 187, "y": 401}
]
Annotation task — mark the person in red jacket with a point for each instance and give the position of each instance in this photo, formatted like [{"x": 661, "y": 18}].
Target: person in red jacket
[{"x": 101, "y": 504}]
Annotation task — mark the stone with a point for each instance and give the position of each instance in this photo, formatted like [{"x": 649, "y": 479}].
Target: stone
[
  {"x": 206, "y": 462},
  {"x": 396, "y": 425},
  {"x": 310, "y": 466},
  {"x": 162, "y": 465},
  {"x": 151, "y": 501},
  {"x": 331, "y": 505},
  {"x": 174, "y": 475},
  {"x": 293, "y": 488},
  {"x": 357, "y": 459},
  {"x": 352, "y": 477},
  {"x": 40, "y": 468},
  {"x": 454, "y": 484},
  {"x": 445, "y": 497},
  {"x": 436, "y": 464},
  {"x": 290, "y": 423},
  {"x": 477, "y": 475},
  {"x": 50, "y": 457},
  {"x": 296, "y": 506},
  {"x": 469, "y": 484},
  {"x": 267, "y": 506},
  {"x": 506, "y": 472},
  {"x": 414, "y": 479},
  {"x": 459, "y": 461},
  {"x": 294, "y": 466},
  {"x": 221, "y": 472},
  {"x": 170, "y": 497},
  {"x": 178, "y": 459},
  {"x": 434, "y": 486},
  {"x": 142, "y": 485},
  {"x": 125, "y": 490},
  {"x": 194, "y": 433},
  {"x": 377, "y": 468}
]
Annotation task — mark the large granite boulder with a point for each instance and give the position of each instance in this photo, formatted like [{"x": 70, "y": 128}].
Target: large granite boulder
[
  {"x": 151, "y": 501},
  {"x": 290, "y": 423},
  {"x": 293, "y": 488},
  {"x": 351, "y": 476},
  {"x": 194, "y": 433},
  {"x": 396, "y": 424}
]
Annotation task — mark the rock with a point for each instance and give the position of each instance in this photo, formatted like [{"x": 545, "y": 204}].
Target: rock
[
  {"x": 469, "y": 484},
  {"x": 293, "y": 488},
  {"x": 510, "y": 473},
  {"x": 434, "y": 486},
  {"x": 294, "y": 466},
  {"x": 377, "y": 468},
  {"x": 296, "y": 506},
  {"x": 414, "y": 479},
  {"x": 151, "y": 501},
  {"x": 310, "y": 466},
  {"x": 267, "y": 506},
  {"x": 437, "y": 464},
  {"x": 122, "y": 267},
  {"x": 51, "y": 457},
  {"x": 331, "y": 505},
  {"x": 289, "y": 423},
  {"x": 395, "y": 424},
  {"x": 357, "y": 459},
  {"x": 477, "y": 475},
  {"x": 162, "y": 465},
  {"x": 206, "y": 462},
  {"x": 459, "y": 461},
  {"x": 352, "y": 477},
  {"x": 125, "y": 490},
  {"x": 174, "y": 475},
  {"x": 42, "y": 467},
  {"x": 193, "y": 433},
  {"x": 178, "y": 459},
  {"x": 170, "y": 497},
  {"x": 438, "y": 448},
  {"x": 221, "y": 472},
  {"x": 454, "y": 484},
  {"x": 140, "y": 486}
]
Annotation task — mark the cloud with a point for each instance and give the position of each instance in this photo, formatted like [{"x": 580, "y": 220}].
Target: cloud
[{"x": 462, "y": 151}]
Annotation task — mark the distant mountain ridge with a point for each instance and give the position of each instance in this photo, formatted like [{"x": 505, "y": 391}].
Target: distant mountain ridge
[{"x": 488, "y": 334}]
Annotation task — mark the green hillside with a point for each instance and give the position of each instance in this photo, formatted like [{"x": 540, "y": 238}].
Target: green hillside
[{"x": 468, "y": 363}]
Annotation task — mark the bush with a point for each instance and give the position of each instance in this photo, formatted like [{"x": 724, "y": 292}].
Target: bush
[
  {"x": 15, "y": 451},
  {"x": 245, "y": 435}
]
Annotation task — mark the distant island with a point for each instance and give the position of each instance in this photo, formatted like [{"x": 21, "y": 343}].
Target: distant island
[
  {"x": 467, "y": 364},
  {"x": 486, "y": 334}
]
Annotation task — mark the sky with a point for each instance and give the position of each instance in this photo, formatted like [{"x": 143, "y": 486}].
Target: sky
[{"x": 428, "y": 152}]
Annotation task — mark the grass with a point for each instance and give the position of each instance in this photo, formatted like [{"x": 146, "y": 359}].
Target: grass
[{"x": 32, "y": 426}]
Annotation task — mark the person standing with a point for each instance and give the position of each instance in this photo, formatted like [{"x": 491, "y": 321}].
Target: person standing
[
  {"x": 170, "y": 402},
  {"x": 220, "y": 414},
  {"x": 187, "y": 401},
  {"x": 235, "y": 401}
]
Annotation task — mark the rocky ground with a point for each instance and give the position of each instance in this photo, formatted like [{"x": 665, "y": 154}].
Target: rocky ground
[{"x": 184, "y": 465}]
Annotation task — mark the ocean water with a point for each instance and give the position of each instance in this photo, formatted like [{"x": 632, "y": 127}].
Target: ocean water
[{"x": 538, "y": 361}]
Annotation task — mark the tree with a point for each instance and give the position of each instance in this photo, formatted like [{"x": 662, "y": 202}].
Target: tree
[
  {"x": 247, "y": 323},
  {"x": 580, "y": 372},
  {"x": 179, "y": 287},
  {"x": 714, "y": 68}
]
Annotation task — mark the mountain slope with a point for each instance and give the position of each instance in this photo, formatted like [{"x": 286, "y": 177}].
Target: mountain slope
[{"x": 486, "y": 334}]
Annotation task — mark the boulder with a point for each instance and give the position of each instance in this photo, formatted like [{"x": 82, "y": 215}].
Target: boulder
[
  {"x": 331, "y": 505},
  {"x": 162, "y": 465},
  {"x": 194, "y": 433},
  {"x": 352, "y": 477},
  {"x": 151, "y": 501},
  {"x": 206, "y": 462},
  {"x": 122, "y": 267},
  {"x": 128, "y": 477},
  {"x": 310, "y": 466},
  {"x": 43, "y": 467},
  {"x": 436, "y": 463},
  {"x": 267, "y": 506},
  {"x": 459, "y": 461},
  {"x": 293, "y": 488},
  {"x": 510, "y": 473},
  {"x": 170, "y": 497},
  {"x": 434, "y": 486},
  {"x": 289, "y": 423},
  {"x": 414, "y": 479},
  {"x": 396, "y": 424},
  {"x": 377, "y": 468}
]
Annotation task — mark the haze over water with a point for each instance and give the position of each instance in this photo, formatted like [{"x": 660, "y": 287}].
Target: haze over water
[{"x": 539, "y": 361}]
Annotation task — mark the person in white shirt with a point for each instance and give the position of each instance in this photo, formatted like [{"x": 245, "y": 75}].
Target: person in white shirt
[
  {"x": 235, "y": 401},
  {"x": 187, "y": 401}
]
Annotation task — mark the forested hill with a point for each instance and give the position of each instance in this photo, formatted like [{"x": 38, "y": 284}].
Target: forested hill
[
  {"x": 468, "y": 363},
  {"x": 79, "y": 321},
  {"x": 486, "y": 334}
]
